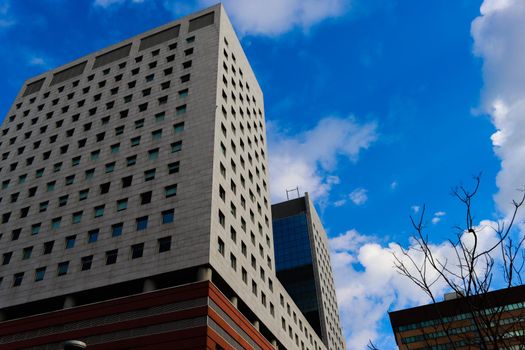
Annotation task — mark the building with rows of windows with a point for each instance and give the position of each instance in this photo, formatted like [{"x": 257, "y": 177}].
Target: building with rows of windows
[
  {"x": 134, "y": 202},
  {"x": 493, "y": 320}
]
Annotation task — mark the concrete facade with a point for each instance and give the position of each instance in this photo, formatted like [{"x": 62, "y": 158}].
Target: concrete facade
[{"x": 143, "y": 159}]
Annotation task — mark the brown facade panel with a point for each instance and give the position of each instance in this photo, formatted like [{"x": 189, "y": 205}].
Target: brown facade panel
[
  {"x": 201, "y": 21},
  {"x": 34, "y": 87},
  {"x": 160, "y": 37},
  {"x": 126, "y": 326},
  {"x": 68, "y": 73},
  {"x": 112, "y": 56}
]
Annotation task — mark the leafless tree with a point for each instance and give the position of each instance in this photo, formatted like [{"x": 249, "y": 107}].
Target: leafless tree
[{"x": 470, "y": 275}]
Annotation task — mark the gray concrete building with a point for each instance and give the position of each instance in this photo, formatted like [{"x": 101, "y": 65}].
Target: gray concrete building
[
  {"x": 302, "y": 263},
  {"x": 139, "y": 167}
]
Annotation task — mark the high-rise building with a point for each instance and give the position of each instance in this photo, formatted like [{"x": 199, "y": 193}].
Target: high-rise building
[
  {"x": 302, "y": 263},
  {"x": 493, "y": 320},
  {"x": 134, "y": 201}
]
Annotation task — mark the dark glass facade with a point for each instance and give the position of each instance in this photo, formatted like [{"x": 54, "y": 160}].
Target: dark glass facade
[
  {"x": 292, "y": 245},
  {"x": 293, "y": 262}
]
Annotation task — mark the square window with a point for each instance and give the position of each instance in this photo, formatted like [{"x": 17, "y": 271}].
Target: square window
[
  {"x": 86, "y": 262},
  {"x": 89, "y": 174},
  {"x": 160, "y": 116},
  {"x": 99, "y": 211},
  {"x": 156, "y": 135},
  {"x": 55, "y": 223},
  {"x": 164, "y": 244},
  {"x": 70, "y": 180},
  {"x": 163, "y": 100},
  {"x": 15, "y": 234},
  {"x": 139, "y": 123},
  {"x": 149, "y": 175},
  {"x": 62, "y": 268},
  {"x": 168, "y": 216},
  {"x": 111, "y": 256},
  {"x": 110, "y": 167},
  {"x": 170, "y": 191},
  {"x": 122, "y": 204},
  {"x": 77, "y": 217},
  {"x": 135, "y": 141},
  {"x": 116, "y": 229},
  {"x": 75, "y": 161},
  {"x": 43, "y": 206},
  {"x": 126, "y": 181},
  {"x": 39, "y": 274},
  {"x": 183, "y": 93},
  {"x": 179, "y": 127},
  {"x": 137, "y": 251},
  {"x": 180, "y": 110},
  {"x": 83, "y": 194},
  {"x": 35, "y": 229},
  {"x": 95, "y": 155},
  {"x": 38, "y": 173},
  {"x": 22, "y": 179},
  {"x": 6, "y": 258},
  {"x": 115, "y": 148},
  {"x": 70, "y": 241},
  {"x": 145, "y": 198},
  {"x": 119, "y": 130},
  {"x": 142, "y": 223},
  {"x": 93, "y": 236},
  {"x": 104, "y": 188},
  {"x": 176, "y": 146},
  {"x": 174, "y": 167},
  {"x": 130, "y": 161},
  {"x": 143, "y": 107},
  {"x": 50, "y": 186},
  {"x": 153, "y": 154},
  {"x": 26, "y": 253},
  {"x": 17, "y": 279}
]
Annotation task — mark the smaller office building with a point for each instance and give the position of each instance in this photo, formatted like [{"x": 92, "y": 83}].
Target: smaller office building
[
  {"x": 302, "y": 263},
  {"x": 494, "y": 320}
]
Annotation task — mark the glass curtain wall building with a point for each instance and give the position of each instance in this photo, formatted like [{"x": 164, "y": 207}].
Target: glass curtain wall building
[{"x": 302, "y": 264}]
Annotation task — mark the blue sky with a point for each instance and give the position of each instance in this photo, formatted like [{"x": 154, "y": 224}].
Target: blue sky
[{"x": 375, "y": 107}]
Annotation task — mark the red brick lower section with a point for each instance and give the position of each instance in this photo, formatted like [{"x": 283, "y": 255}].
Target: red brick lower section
[{"x": 194, "y": 316}]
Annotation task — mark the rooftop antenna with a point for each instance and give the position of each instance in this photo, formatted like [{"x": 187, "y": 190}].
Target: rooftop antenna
[{"x": 288, "y": 191}]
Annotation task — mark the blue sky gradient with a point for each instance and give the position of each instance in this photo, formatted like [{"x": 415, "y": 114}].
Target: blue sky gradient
[{"x": 402, "y": 73}]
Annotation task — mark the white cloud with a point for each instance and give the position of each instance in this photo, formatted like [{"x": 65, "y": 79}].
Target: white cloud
[
  {"x": 415, "y": 208},
  {"x": 499, "y": 39},
  {"x": 368, "y": 286},
  {"x": 340, "y": 203},
  {"x": 359, "y": 196},
  {"x": 37, "y": 61},
  {"x": 6, "y": 19},
  {"x": 309, "y": 159},
  {"x": 438, "y": 216},
  {"x": 260, "y": 17},
  {"x": 394, "y": 185},
  {"x": 274, "y": 17},
  {"x": 107, "y": 3}
]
